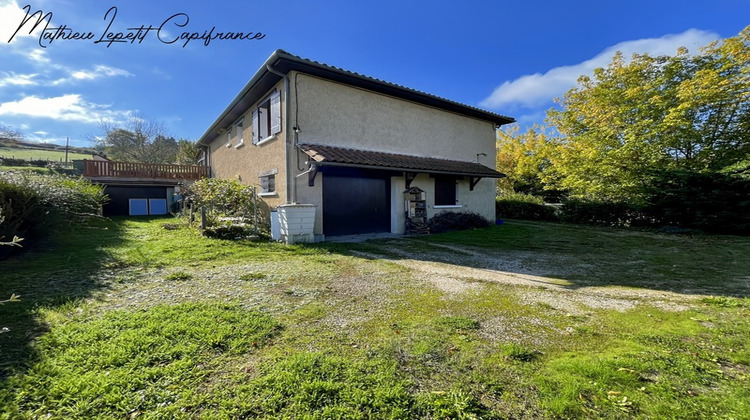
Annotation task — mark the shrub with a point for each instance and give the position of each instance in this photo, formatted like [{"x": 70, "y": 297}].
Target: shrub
[
  {"x": 39, "y": 163},
  {"x": 238, "y": 231},
  {"x": 523, "y": 206},
  {"x": 602, "y": 212},
  {"x": 34, "y": 205},
  {"x": 449, "y": 220},
  {"x": 228, "y": 197},
  {"x": 714, "y": 202},
  {"x": 223, "y": 199}
]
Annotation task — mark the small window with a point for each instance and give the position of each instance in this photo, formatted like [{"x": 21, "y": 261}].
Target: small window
[
  {"x": 239, "y": 130},
  {"x": 268, "y": 185},
  {"x": 229, "y": 138},
  {"x": 445, "y": 191}
]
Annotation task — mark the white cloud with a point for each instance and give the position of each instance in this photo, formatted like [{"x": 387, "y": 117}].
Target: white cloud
[
  {"x": 69, "y": 107},
  {"x": 37, "y": 55},
  {"x": 13, "y": 79},
  {"x": 537, "y": 89},
  {"x": 98, "y": 72},
  {"x": 11, "y": 17}
]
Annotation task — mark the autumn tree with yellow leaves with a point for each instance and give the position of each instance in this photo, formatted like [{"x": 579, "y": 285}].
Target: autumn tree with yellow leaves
[{"x": 638, "y": 119}]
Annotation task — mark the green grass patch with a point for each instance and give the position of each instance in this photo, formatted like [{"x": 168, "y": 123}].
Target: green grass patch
[
  {"x": 458, "y": 322},
  {"x": 520, "y": 353},
  {"x": 253, "y": 276},
  {"x": 179, "y": 276},
  {"x": 152, "y": 361},
  {"x": 369, "y": 338},
  {"x": 149, "y": 244},
  {"x": 40, "y": 154},
  {"x": 705, "y": 264},
  {"x": 315, "y": 385}
]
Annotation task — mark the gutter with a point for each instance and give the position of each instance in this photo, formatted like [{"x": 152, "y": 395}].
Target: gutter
[{"x": 291, "y": 185}]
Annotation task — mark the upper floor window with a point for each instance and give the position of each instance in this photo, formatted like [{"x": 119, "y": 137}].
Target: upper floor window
[
  {"x": 267, "y": 118},
  {"x": 240, "y": 130}
]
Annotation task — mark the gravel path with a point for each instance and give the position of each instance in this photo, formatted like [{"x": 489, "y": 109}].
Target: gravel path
[{"x": 458, "y": 269}]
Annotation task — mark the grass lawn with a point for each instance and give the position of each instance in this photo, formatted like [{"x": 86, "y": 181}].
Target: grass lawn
[
  {"x": 129, "y": 319},
  {"x": 39, "y": 154}
]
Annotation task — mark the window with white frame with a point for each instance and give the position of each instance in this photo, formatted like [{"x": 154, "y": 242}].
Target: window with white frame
[
  {"x": 268, "y": 182},
  {"x": 267, "y": 118},
  {"x": 239, "y": 132}
]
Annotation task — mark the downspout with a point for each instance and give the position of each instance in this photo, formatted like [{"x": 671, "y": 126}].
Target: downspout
[{"x": 291, "y": 190}]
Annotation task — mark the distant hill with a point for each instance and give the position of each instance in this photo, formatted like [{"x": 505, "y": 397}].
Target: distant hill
[
  {"x": 14, "y": 152},
  {"x": 19, "y": 144}
]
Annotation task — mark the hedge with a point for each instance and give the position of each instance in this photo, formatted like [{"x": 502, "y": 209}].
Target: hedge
[{"x": 34, "y": 205}]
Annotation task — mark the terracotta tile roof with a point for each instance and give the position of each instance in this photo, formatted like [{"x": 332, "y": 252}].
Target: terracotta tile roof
[{"x": 342, "y": 156}]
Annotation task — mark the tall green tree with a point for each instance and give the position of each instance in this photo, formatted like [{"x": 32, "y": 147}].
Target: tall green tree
[
  {"x": 139, "y": 140},
  {"x": 524, "y": 158},
  {"x": 187, "y": 152},
  {"x": 681, "y": 112}
]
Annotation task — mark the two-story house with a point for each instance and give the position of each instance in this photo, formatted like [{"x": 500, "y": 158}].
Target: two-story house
[{"x": 309, "y": 133}]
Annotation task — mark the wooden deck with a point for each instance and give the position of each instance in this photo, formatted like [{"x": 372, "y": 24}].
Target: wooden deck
[{"x": 123, "y": 170}]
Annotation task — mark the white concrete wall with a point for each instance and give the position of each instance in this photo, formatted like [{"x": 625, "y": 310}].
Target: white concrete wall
[{"x": 481, "y": 200}]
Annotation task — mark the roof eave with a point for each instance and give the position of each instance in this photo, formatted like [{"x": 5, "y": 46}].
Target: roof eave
[
  {"x": 284, "y": 62},
  {"x": 397, "y": 169},
  {"x": 227, "y": 116}
]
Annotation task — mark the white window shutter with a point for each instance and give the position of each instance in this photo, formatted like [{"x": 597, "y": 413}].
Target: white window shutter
[
  {"x": 256, "y": 127},
  {"x": 276, "y": 112}
]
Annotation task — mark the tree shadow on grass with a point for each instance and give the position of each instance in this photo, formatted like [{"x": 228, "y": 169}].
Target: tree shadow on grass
[
  {"x": 573, "y": 257},
  {"x": 55, "y": 272}
]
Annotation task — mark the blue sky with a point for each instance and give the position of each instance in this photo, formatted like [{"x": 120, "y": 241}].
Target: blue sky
[{"x": 512, "y": 58}]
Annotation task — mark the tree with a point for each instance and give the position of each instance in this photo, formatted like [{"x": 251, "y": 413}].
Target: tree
[
  {"x": 140, "y": 140},
  {"x": 10, "y": 133},
  {"x": 677, "y": 112},
  {"x": 524, "y": 158},
  {"x": 187, "y": 152}
]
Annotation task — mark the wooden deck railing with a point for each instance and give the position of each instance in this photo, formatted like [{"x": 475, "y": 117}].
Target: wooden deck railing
[{"x": 110, "y": 169}]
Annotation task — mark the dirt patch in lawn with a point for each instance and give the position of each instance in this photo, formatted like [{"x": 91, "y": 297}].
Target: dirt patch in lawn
[{"x": 458, "y": 269}]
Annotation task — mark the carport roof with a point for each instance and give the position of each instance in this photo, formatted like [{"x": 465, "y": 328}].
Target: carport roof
[{"x": 326, "y": 155}]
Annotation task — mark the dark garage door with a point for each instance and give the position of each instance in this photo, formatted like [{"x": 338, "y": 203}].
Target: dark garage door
[
  {"x": 119, "y": 203},
  {"x": 355, "y": 201}
]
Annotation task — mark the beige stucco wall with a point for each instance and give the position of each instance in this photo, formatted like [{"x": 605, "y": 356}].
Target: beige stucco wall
[
  {"x": 244, "y": 163},
  {"x": 336, "y": 114},
  {"x": 340, "y": 115}
]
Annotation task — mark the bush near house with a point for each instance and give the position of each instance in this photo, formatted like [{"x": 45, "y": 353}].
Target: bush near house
[
  {"x": 34, "y": 205},
  {"x": 603, "y": 213},
  {"x": 523, "y": 206},
  {"x": 229, "y": 206},
  {"x": 451, "y": 220},
  {"x": 713, "y": 202}
]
